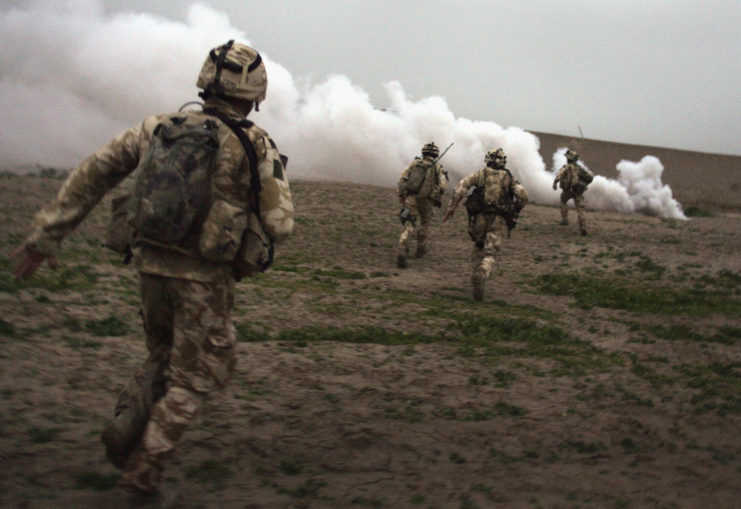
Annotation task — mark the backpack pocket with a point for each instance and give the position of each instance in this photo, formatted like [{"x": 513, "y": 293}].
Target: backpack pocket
[
  {"x": 256, "y": 251},
  {"x": 222, "y": 231},
  {"x": 120, "y": 232}
]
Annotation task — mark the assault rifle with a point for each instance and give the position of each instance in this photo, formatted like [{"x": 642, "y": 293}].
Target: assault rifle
[{"x": 444, "y": 151}]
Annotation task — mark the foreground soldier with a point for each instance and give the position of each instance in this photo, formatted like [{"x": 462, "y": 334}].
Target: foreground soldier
[
  {"x": 187, "y": 287},
  {"x": 494, "y": 201},
  {"x": 420, "y": 188},
  {"x": 574, "y": 179}
]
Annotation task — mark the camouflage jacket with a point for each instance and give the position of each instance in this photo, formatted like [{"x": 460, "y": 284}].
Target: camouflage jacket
[
  {"x": 110, "y": 164},
  {"x": 496, "y": 183},
  {"x": 435, "y": 183}
]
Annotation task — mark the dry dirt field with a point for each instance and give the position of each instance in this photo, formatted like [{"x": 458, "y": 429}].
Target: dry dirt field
[{"x": 600, "y": 371}]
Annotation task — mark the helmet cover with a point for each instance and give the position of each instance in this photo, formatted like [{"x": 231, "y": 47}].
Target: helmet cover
[
  {"x": 495, "y": 158},
  {"x": 234, "y": 70},
  {"x": 430, "y": 149}
]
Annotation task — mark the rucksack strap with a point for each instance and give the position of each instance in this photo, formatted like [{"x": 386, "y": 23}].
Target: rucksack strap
[{"x": 238, "y": 126}]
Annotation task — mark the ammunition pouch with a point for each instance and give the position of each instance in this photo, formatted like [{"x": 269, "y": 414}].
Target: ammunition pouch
[
  {"x": 120, "y": 231},
  {"x": 406, "y": 216}
]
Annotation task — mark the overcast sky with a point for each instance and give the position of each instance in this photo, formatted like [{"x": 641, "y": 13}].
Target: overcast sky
[{"x": 661, "y": 72}]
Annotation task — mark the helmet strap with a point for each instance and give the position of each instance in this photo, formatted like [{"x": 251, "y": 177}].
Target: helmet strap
[{"x": 220, "y": 64}]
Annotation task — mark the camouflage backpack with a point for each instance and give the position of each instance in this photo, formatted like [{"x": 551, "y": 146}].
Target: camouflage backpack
[
  {"x": 173, "y": 186},
  {"x": 416, "y": 176},
  {"x": 494, "y": 196}
]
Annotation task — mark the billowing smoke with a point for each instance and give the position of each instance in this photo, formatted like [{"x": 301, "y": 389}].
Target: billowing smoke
[
  {"x": 73, "y": 77},
  {"x": 637, "y": 189}
]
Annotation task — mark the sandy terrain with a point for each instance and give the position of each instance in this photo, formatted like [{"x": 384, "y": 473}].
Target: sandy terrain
[{"x": 600, "y": 371}]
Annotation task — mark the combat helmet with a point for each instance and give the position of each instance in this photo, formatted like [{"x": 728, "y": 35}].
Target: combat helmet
[
  {"x": 234, "y": 70},
  {"x": 571, "y": 156},
  {"x": 495, "y": 158},
  {"x": 430, "y": 149}
]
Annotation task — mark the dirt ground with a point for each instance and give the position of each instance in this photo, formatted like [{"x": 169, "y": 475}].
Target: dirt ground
[{"x": 363, "y": 385}]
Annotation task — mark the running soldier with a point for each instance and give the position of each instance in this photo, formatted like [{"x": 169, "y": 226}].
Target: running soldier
[
  {"x": 187, "y": 284},
  {"x": 494, "y": 201},
  {"x": 573, "y": 179},
  {"x": 420, "y": 188}
]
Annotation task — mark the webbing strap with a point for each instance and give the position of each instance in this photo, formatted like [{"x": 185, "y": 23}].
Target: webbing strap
[
  {"x": 220, "y": 60},
  {"x": 237, "y": 127}
]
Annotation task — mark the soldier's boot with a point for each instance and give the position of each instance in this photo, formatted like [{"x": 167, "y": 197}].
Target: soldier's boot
[
  {"x": 401, "y": 257},
  {"x": 421, "y": 250},
  {"x": 478, "y": 281},
  {"x": 122, "y": 436},
  {"x": 564, "y": 217},
  {"x": 142, "y": 473},
  {"x": 584, "y": 232}
]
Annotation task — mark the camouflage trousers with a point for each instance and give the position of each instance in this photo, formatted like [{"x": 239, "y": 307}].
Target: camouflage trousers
[
  {"x": 421, "y": 215},
  {"x": 191, "y": 343},
  {"x": 486, "y": 230},
  {"x": 578, "y": 198}
]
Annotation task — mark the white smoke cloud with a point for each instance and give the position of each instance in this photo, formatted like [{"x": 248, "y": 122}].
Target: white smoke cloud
[{"x": 72, "y": 77}]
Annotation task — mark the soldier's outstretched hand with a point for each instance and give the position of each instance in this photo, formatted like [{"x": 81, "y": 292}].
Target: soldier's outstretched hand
[{"x": 29, "y": 261}]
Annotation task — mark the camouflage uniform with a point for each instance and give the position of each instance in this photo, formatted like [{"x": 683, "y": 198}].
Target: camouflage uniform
[
  {"x": 489, "y": 226},
  {"x": 186, "y": 300},
  {"x": 571, "y": 189},
  {"x": 419, "y": 205}
]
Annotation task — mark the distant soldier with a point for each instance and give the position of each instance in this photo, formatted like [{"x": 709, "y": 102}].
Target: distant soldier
[
  {"x": 574, "y": 179},
  {"x": 494, "y": 202},
  {"x": 196, "y": 231},
  {"x": 420, "y": 188}
]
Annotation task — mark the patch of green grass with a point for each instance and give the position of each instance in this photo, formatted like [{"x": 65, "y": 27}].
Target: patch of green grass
[
  {"x": 725, "y": 335},
  {"x": 617, "y": 293},
  {"x": 457, "y": 458},
  {"x": 77, "y": 343},
  {"x": 581, "y": 447},
  {"x": 500, "y": 409},
  {"x": 110, "y": 326},
  {"x": 410, "y": 413},
  {"x": 368, "y": 502},
  {"x": 78, "y": 278},
  {"x": 374, "y": 335},
  {"x": 497, "y": 337},
  {"x": 42, "y": 435},
  {"x": 7, "y": 329},
  {"x": 96, "y": 481},
  {"x": 291, "y": 467},
  {"x": 647, "y": 265},
  {"x": 310, "y": 488},
  {"x": 209, "y": 471},
  {"x": 248, "y": 334},
  {"x": 718, "y": 386},
  {"x": 693, "y": 211},
  {"x": 339, "y": 273}
]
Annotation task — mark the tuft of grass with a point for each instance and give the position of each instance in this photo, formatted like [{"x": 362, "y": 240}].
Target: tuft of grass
[
  {"x": 96, "y": 481},
  {"x": 616, "y": 293},
  {"x": 725, "y": 335},
  {"x": 718, "y": 387},
  {"x": 42, "y": 435},
  {"x": 209, "y": 471},
  {"x": 7, "y": 329},
  {"x": 310, "y": 488},
  {"x": 693, "y": 211},
  {"x": 339, "y": 273},
  {"x": 77, "y": 278},
  {"x": 111, "y": 326},
  {"x": 248, "y": 334}
]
